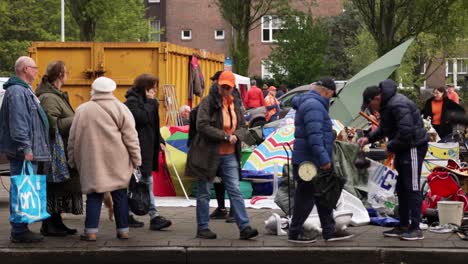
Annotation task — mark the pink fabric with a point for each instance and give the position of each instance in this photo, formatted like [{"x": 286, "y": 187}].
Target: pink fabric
[
  {"x": 183, "y": 129},
  {"x": 162, "y": 179}
]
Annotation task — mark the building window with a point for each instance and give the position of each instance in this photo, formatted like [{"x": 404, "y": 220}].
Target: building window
[
  {"x": 155, "y": 30},
  {"x": 271, "y": 25},
  {"x": 456, "y": 71},
  {"x": 462, "y": 66},
  {"x": 266, "y": 74},
  {"x": 153, "y": 1},
  {"x": 186, "y": 34},
  {"x": 219, "y": 34}
]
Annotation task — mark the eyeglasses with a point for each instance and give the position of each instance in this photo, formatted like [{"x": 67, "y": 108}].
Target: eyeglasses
[
  {"x": 226, "y": 87},
  {"x": 34, "y": 67}
]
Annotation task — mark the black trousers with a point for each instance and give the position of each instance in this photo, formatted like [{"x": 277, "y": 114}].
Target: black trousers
[
  {"x": 304, "y": 202},
  {"x": 408, "y": 165}
]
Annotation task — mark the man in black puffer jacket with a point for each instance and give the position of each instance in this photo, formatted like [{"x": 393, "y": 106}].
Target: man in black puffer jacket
[{"x": 400, "y": 121}]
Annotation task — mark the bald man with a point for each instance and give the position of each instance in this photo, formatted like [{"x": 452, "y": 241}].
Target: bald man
[{"x": 23, "y": 133}]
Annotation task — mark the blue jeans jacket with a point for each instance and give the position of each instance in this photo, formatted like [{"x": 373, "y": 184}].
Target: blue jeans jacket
[{"x": 24, "y": 125}]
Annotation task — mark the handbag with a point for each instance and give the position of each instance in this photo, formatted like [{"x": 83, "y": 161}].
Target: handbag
[
  {"x": 138, "y": 194},
  {"x": 327, "y": 188},
  {"x": 28, "y": 202},
  {"x": 58, "y": 167}
]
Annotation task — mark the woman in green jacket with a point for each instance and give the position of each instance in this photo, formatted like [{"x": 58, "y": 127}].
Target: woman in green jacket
[{"x": 64, "y": 197}]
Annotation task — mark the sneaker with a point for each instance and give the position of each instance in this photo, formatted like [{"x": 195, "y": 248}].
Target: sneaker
[
  {"x": 301, "y": 239},
  {"x": 395, "y": 232},
  {"x": 159, "y": 223},
  {"x": 123, "y": 235},
  {"x": 415, "y": 234},
  {"x": 339, "y": 235},
  {"x": 132, "y": 222},
  {"x": 26, "y": 237},
  {"x": 248, "y": 233},
  {"x": 89, "y": 237},
  {"x": 206, "y": 234},
  {"x": 230, "y": 218},
  {"x": 219, "y": 213}
]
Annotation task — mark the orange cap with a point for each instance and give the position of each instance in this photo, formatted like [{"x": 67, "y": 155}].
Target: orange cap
[
  {"x": 272, "y": 89},
  {"x": 227, "y": 78}
]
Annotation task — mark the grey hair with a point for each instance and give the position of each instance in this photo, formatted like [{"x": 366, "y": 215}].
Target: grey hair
[
  {"x": 184, "y": 108},
  {"x": 253, "y": 82},
  {"x": 21, "y": 62}
]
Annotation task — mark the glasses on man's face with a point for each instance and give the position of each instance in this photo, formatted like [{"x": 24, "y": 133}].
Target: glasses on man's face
[{"x": 33, "y": 67}]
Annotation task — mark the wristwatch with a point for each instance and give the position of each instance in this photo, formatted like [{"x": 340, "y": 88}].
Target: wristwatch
[{"x": 226, "y": 138}]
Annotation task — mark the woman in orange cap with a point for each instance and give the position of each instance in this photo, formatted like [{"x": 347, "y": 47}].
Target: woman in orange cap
[{"x": 271, "y": 105}]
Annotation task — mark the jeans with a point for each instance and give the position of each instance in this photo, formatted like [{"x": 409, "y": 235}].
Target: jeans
[
  {"x": 153, "y": 212},
  {"x": 93, "y": 211},
  {"x": 228, "y": 170},
  {"x": 16, "y": 166},
  {"x": 303, "y": 204}
]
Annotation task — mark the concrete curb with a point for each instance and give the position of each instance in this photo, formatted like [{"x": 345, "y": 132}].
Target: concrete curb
[{"x": 240, "y": 255}]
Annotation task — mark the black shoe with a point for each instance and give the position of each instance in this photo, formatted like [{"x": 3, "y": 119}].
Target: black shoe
[
  {"x": 230, "y": 218},
  {"x": 49, "y": 229},
  {"x": 411, "y": 235},
  {"x": 69, "y": 231},
  {"x": 248, "y": 233},
  {"x": 302, "y": 239},
  {"x": 132, "y": 222},
  {"x": 219, "y": 213},
  {"x": 26, "y": 237},
  {"x": 339, "y": 235},
  {"x": 206, "y": 234},
  {"x": 159, "y": 223},
  {"x": 395, "y": 232}
]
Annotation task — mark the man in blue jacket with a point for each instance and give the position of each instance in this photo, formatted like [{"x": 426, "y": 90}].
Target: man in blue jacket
[
  {"x": 401, "y": 123},
  {"x": 313, "y": 143},
  {"x": 24, "y": 131}
]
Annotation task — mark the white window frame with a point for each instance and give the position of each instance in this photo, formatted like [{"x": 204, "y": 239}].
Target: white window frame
[
  {"x": 270, "y": 27},
  {"x": 265, "y": 73},
  {"x": 184, "y": 37},
  {"x": 153, "y": 1},
  {"x": 154, "y": 36},
  {"x": 219, "y": 37},
  {"x": 455, "y": 71},
  {"x": 464, "y": 65}
]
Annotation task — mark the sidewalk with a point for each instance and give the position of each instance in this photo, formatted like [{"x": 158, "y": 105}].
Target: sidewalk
[{"x": 179, "y": 245}]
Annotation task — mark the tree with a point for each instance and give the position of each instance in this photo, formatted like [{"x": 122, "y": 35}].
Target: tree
[
  {"x": 391, "y": 22},
  {"x": 298, "y": 57},
  {"x": 103, "y": 20},
  {"x": 343, "y": 30},
  {"x": 244, "y": 16}
]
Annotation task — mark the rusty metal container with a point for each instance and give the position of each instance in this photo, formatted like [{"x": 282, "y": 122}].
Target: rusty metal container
[{"x": 123, "y": 61}]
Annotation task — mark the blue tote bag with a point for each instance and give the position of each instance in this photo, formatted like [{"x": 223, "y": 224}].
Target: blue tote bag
[{"x": 28, "y": 202}]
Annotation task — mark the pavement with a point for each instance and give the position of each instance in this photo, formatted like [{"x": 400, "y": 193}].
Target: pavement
[{"x": 178, "y": 244}]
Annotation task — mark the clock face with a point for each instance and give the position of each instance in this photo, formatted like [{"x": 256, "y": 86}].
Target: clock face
[{"x": 307, "y": 171}]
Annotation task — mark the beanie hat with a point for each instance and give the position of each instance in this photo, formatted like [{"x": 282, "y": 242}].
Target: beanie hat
[{"x": 104, "y": 85}]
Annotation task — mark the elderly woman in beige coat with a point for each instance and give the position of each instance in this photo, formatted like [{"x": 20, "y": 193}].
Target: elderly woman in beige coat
[{"x": 104, "y": 147}]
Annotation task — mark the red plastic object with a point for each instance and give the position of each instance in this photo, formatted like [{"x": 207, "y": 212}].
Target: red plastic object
[
  {"x": 183, "y": 129},
  {"x": 162, "y": 182}
]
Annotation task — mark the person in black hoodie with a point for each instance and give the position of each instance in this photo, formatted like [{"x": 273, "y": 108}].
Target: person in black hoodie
[
  {"x": 145, "y": 111},
  {"x": 401, "y": 122},
  {"x": 439, "y": 108}
]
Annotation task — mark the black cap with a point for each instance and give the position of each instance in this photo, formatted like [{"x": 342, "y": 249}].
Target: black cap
[
  {"x": 215, "y": 77},
  {"x": 368, "y": 95},
  {"x": 328, "y": 83}
]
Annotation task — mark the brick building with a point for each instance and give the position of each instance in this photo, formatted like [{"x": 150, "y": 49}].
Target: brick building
[{"x": 199, "y": 24}]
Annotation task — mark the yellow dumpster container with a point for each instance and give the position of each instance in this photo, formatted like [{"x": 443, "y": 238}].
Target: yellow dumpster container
[{"x": 123, "y": 61}]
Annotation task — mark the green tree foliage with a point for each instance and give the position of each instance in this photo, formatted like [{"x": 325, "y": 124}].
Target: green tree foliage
[
  {"x": 391, "y": 22},
  {"x": 103, "y": 20},
  {"x": 362, "y": 52},
  {"x": 244, "y": 16},
  {"x": 39, "y": 20},
  {"x": 299, "y": 56},
  {"x": 343, "y": 30}
]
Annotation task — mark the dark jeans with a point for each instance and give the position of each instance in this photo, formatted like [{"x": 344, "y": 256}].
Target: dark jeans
[
  {"x": 409, "y": 164},
  {"x": 15, "y": 169},
  {"x": 93, "y": 211},
  {"x": 220, "y": 190},
  {"x": 303, "y": 204}
]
